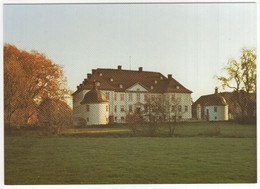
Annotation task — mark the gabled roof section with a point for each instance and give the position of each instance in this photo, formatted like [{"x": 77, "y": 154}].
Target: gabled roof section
[
  {"x": 136, "y": 84},
  {"x": 174, "y": 86}
]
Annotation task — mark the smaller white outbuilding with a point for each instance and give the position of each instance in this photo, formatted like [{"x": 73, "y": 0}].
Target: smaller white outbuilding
[
  {"x": 95, "y": 107},
  {"x": 216, "y": 107}
]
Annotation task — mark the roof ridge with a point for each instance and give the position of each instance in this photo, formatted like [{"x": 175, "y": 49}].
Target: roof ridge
[{"x": 112, "y": 69}]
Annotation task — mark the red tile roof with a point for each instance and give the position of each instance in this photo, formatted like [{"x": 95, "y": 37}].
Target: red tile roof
[{"x": 111, "y": 79}]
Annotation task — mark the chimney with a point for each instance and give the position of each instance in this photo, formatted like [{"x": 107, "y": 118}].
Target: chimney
[
  {"x": 140, "y": 69},
  {"x": 169, "y": 76},
  {"x": 88, "y": 75},
  {"x": 216, "y": 90},
  {"x": 78, "y": 87},
  {"x": 119, "y": 67}
]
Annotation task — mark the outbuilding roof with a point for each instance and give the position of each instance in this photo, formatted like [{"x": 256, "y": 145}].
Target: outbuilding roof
[{"x": 215, "y": 99}]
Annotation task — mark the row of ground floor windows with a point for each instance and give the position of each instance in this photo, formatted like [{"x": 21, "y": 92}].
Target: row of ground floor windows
[
  {"x": 123, "y": 118},
  {"x": 130, "y": 108}
]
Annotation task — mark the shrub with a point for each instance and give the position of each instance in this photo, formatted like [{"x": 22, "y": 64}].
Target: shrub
[{"x": 54, "y": 116}]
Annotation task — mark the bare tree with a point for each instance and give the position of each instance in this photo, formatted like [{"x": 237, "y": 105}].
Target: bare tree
[
  {"x": 164, "y": 109},
  {"x": 241, "y": 77}
]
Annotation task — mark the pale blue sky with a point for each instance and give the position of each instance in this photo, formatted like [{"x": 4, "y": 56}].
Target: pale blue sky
[{"x": 190, "y": 41}]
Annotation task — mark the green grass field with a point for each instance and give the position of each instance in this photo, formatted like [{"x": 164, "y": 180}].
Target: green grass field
[{"x": 33, "y": 159}]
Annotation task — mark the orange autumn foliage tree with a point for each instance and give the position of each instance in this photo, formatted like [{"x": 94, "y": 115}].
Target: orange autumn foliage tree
[{"x": 28, "y": 77}]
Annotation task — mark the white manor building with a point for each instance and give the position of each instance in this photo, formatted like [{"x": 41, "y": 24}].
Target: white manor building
[{"x": 118, "y": 93}]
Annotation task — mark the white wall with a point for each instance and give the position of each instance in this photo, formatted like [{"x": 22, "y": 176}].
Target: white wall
[
  {"x": 220, "y": 115},
  {"x": 185, "y": 100},
  {"x": 97, "y": 114}
]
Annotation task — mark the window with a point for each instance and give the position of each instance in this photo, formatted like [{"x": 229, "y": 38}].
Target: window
[
  {"x": 146, "y": 98},
  {"x": 107, "y": 95},
  {"x": 111, "y": 79},
  {"x": 122, "y": 108},
  {"x": 107, "y": 108},
  {"x": 179, "y": 108},
  {"x": 130, "y": 108},
  {"x": 98, "y": 84},
  {"x": 215, "y": 109},
  {"x": 155, "y": 82},
  {"x": 152, "y": 87},
  {"x": 130, "y": 96},
  {"x": 186, "y": 108},
  {"x": 137, "y": 89},
  {"x": 122, "y": 118},
  {"x": 122, "y": 97},
  {"x": 121, "y": 86},
  {"x": 115, "y": 109},
  {"x": 87, "y": 119},
  {"x": 87, "y": 108},
  {"x": 115, "y": 96},
  {"x": 177, "y": 87},
  {"x": 173, "y": 97},
  {"x": 152, "y": 98},
  {"x": 215, "y": 117},
  {"x": 173, "y": 108},
  {"x": 138, "y": 97},
  {"x": 115, "y": 118},
  {"x": 146, "y": 108}
]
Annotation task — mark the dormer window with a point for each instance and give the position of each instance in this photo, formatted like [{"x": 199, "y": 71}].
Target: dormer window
[
  {"x": 98, "y": 84},
  {"x": 155, "y": 82},
  {"x": 152, "y": 87},
  {"x": 111, "y": 79},
  {"x": 161, "y": 77},
  {"x": 177, "y": 87},
  {"x": 120, "y": 86},
  {"x": 100, "y": 74}
]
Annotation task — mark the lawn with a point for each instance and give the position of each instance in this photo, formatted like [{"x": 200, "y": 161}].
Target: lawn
[
  {"x": 183, "y": 129},
  {"x": 32, "y": 159}
]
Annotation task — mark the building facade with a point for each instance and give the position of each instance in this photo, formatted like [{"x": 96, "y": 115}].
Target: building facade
[
  {"x": 211, "y": 107},
  {"x": 229, "y": 108},
  {"x": 128, "y": 92}
]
